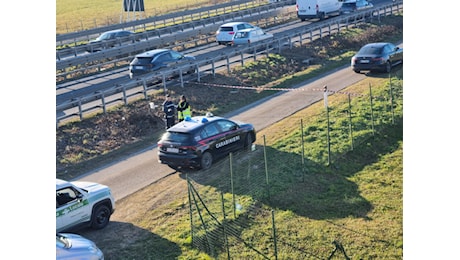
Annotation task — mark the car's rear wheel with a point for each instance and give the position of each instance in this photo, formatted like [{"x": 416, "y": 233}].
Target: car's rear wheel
[
  {"x": 322, "y": 16},
  {"x": 100, "y": 217},
  {"x": 206, "y": 160}
]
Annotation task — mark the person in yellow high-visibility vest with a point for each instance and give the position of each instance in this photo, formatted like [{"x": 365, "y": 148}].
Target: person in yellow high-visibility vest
[{"x": 183, "y": 109}]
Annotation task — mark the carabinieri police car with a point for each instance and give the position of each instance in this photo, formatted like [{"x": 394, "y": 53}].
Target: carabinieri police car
[{"x": 197, "y": 141}]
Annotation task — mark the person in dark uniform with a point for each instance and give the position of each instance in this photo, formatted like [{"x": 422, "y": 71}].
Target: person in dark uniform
[{"x": 170, "y": 111}]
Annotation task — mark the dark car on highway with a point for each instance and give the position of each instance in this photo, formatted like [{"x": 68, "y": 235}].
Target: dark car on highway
[
  {"x": 111, "y": 39},
  {"x": 197, "y": 141},
  {"x": 156, "y": 59},
  {"x": 378, "y": 56}
]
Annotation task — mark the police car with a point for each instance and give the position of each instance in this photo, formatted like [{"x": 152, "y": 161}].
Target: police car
[
  {"x": 82, "y": 204},
  {"x": 197, "y": 141}
]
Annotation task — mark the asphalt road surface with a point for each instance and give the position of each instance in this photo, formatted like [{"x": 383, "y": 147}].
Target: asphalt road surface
[{"x": 139, "y": 170}]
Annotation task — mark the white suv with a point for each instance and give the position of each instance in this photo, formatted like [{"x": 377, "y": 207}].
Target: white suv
[
  {"x": 82, "y": 204},
  {"x": 225, "y": 33}
]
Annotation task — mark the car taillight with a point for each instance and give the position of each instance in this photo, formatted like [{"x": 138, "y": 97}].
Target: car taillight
[
  {"x": 185, "y": 148},
  {"x": 231, "y": 33},
  {"x": 379, "y": 59}
]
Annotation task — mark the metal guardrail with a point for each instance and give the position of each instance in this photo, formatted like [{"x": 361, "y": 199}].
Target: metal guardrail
[
  {"x": 120, "y": 93},
  {"x": 162, "y": 36},
  {"x": 73, "y": 37},
  {"x": 171, "y": 41}
]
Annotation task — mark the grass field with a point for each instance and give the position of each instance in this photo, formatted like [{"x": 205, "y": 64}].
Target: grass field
[
  {"x": 356, "y": 201},
  {"x": 78, "y": 15}
]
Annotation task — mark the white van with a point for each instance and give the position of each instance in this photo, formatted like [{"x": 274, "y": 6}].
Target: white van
[{"x": 307, "y": 9}]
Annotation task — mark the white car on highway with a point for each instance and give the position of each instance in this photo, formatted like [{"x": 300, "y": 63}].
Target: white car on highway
[
  {"x": 248, "y": 36},
  {"x": 226, "y": 32}
]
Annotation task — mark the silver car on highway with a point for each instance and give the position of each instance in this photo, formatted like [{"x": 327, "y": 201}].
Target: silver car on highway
[{"x": 72, "y": 246}]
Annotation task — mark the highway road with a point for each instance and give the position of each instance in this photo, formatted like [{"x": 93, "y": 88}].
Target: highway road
[{"x": 141, "y": 169}]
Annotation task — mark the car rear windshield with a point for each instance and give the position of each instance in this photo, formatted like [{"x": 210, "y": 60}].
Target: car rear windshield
[
  {"x": 143, "y": 60},
  {"x": 226, "y": 29},
  {"x": 176, "y": 137},
  {"x": 370, "y": 50}
]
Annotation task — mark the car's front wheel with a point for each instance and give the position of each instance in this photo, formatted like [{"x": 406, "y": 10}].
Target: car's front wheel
[
  {"x": 248, "y": 142},
  {"x": 388, "y": 67},
  {"x": 100, "y": 217},
  {"x": 206, "y": 160}
]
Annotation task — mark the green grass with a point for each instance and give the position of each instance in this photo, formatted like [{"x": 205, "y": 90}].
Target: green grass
[
  {"x": 78, "y": 15},
  {"x": 356, "y": 200},
  {"x": 77, "y": 164}
]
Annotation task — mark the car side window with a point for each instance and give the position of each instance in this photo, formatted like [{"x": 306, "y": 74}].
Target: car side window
[
  {"x": 176, "y": 55},
  {"x": 209, "y": 130},
  {"x": 242, "y": 35},
  {"x": 123, "y": 34},
  {"x": 66, "y": 195},
  {"x": 387, "y": 49},
  {"x": 226, "y": 126},
  {"x": 163, "y": 58}
]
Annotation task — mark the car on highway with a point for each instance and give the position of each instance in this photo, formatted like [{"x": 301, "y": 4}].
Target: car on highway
[
  {"x": 225, "y": 33},
  {"x": 350, "y": 6},
  {"x": 198, "y": 141},
  {"x": 80, "y": 204},
  {"x": 248, "y": 36},
  {"x": 72, "y": 246},
  {"x": 110, "y": 39},
  {"x": 377, "y": 56},
  {"x": 156, "y": 59}
]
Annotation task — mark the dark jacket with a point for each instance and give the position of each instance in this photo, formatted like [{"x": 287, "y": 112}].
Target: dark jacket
[{"x": 169, "y": 108}]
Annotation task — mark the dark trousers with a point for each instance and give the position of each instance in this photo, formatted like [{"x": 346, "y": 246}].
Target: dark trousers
[{"x": 170, "y": 121}]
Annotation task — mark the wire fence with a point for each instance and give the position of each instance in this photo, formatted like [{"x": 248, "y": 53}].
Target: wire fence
[{"x": 236, "y": 206}]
